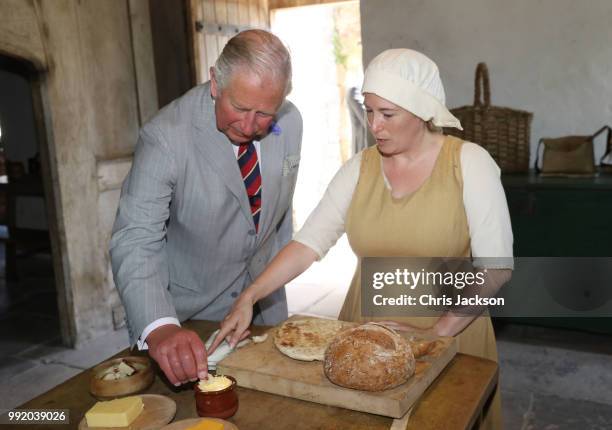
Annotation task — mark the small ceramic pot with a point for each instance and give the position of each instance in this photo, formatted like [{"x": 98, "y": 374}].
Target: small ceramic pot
[{"x": 217, "y": 404}]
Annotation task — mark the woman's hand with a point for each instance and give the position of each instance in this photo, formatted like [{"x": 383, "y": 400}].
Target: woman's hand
[
  {"x": 397, "y": 326},
  {"x": 451, "y": 324},
  {"x": 236, "y": 323},
  {"x": 291, "y": 261}
]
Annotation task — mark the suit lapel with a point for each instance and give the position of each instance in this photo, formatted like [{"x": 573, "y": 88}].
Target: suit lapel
[
  {"x": 271, "y": 149},
  {"x": 217, "y": 150}
]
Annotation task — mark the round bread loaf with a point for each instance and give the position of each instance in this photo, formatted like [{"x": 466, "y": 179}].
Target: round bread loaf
[{"x": 370, "y": 357}]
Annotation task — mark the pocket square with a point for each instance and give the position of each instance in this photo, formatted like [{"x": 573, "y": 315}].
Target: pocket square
[{"x": 290, "y": 164}]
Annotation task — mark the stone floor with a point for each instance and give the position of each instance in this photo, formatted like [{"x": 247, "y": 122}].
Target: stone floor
[{"x": 551, "y": 379}]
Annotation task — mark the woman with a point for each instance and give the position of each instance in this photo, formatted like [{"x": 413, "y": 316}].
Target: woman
[{"x": 416, "y": 193}]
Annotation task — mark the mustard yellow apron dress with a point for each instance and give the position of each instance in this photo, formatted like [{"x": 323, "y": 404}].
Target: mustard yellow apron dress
[{"x": 430, "y": 222}]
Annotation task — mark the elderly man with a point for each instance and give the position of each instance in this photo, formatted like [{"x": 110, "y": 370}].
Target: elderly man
[{"x": 207, "y": 203}]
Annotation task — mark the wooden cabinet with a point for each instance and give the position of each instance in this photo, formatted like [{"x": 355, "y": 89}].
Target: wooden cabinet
[{"x": 562, "y": 217}]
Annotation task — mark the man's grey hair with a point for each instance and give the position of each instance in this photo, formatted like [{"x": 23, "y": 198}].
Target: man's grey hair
[{"x": 259, "y": 52}]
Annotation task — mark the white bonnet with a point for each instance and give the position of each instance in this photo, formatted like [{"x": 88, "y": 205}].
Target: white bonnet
[{"x": 410, "y": 80}]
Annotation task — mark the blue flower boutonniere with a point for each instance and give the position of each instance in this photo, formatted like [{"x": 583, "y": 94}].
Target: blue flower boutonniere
[{"x": 275, "y": 129}]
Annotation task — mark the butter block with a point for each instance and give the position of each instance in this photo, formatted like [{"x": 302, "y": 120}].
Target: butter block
[
  {"x": 207, "y": 425},
  {"x": 114, "y": 413}
]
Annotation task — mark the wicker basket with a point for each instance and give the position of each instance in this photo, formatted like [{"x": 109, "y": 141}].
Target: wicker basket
[{"x": 502, "y": 131}]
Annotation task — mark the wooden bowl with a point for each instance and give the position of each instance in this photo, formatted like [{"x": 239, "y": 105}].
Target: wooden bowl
[
  {"x": 217, "y": 404},
  {"x": 139, "y": 381}
]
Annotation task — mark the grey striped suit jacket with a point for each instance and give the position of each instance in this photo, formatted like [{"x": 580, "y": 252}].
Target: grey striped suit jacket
[{"x": 184, "y": 242}]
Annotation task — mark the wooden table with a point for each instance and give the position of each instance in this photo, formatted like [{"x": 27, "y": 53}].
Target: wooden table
[{"x": 454, "y": 401}]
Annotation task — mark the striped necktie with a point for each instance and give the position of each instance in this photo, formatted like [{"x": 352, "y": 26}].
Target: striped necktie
[{"x": 249, "y": 168}]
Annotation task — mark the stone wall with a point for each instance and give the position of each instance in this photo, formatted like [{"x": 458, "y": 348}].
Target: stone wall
[
  {"x": 96, "y": 86},
  {"x": 550, "y": 57}
]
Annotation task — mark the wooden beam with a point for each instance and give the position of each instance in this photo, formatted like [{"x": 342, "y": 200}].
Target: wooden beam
[{"x": 144, "y": 64}]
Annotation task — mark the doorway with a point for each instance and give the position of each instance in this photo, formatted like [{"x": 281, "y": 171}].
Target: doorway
[
  {"x": 28, "y": 291},
  {"x": 325, "y": 45}
]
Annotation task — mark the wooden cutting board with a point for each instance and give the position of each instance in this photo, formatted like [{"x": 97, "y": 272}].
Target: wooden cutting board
[
  {"x": 262, "y": 367},
  {"x": 158, "y": 411}
]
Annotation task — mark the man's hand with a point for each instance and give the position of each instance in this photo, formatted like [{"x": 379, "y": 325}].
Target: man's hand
[
  {"x": 180, "y": 353},
  {"x": 236, "y": 322}
]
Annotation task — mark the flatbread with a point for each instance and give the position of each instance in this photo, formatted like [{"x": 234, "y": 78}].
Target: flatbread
[{"x": 307, "y": 339}]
